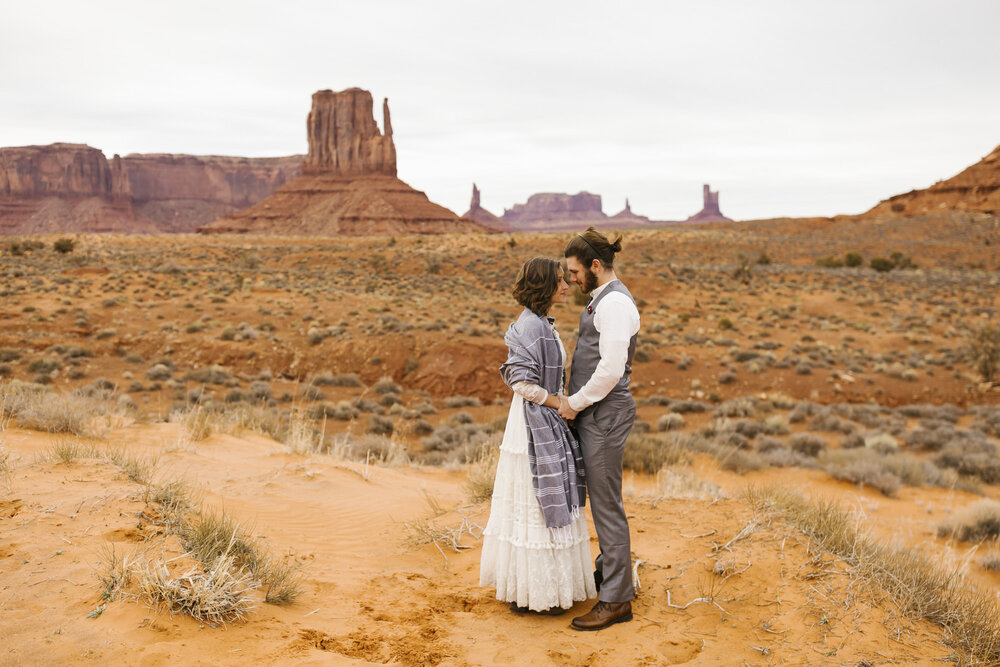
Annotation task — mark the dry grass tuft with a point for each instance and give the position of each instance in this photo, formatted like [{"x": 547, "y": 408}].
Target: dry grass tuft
[
  {"x": 482, "y": 474},
  {"x": 217, "y": 596},
  {"x": 217, "y": 536},
  {"x": 920, "y": 587},
  {"x": 137, "y": 468},
  {"x": 36, "y": 407},
  {"x": 198, "y": 423},
  {"x": 976, "y": 523},
  {"x": 650, "y": 453}
]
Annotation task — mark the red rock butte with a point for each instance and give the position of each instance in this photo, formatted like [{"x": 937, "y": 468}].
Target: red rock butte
[
  {"x": 348, "y": 184},
  {"x": 74, "y": 188},
  {"x": 976, "y": 189},
  {"x": 710, "y": 208}
]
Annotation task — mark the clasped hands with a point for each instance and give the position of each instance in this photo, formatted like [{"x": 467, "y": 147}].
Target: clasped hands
[{"x": 565, "y": 411}]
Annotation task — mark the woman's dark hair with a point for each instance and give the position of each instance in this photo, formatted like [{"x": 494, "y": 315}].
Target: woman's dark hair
[
  {"x": 591, "y": 245},
  {"x": 536, "y": 284}
]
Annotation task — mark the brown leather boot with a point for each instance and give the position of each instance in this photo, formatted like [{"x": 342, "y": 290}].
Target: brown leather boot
[{"x": 602, "y": 615}]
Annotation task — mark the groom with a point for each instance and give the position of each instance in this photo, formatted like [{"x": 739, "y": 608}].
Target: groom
[{"x": 601, "y": 405}]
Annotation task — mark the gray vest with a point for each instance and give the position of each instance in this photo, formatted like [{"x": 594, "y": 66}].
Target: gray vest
[{"x": 587, "y": 354}]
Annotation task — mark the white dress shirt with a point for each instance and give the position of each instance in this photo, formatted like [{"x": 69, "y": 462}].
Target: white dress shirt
[{"x": 616, "y": 319}]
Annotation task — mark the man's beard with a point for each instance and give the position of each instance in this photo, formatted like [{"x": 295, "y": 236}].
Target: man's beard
[{"x": 589, "y": 280}]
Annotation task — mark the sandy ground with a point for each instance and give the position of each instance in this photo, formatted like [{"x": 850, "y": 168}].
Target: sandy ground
[
  {"x": 371, "y": 596},
  {"x": 429, "y": 313}
]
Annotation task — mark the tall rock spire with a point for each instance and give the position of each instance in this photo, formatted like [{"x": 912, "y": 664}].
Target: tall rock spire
[{"x": 343, "y": 137}]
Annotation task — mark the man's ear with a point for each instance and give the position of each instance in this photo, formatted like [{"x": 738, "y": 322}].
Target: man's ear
[{"x": 596, "y": 265}]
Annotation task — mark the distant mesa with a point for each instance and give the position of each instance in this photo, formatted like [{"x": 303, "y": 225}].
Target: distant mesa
[
  {"x": 710, "y": 210},
  {"x": 65, "y": 187},
  {"x": 558, "y": 211},
  {"x": 348, "y": 184},
  {"x": 479, "y": 214},
  {"x": 627, "y": 216},
  {"x": 977, "y": 189}
]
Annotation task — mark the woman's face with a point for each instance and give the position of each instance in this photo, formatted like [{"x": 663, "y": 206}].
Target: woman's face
[{"x": 562, "y": 289}]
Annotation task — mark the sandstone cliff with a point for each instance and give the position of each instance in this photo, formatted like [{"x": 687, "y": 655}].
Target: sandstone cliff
[
  {"x": 343, "y": 137},
  {"x": 479, "y": 214},
  {"x": 348, "y": 184},
  {"x": 977, "y": 189},
  {"x": 710, "y": 210},
  {"x": 183, "y": 192},
  {"x": 74, "y": 188}
]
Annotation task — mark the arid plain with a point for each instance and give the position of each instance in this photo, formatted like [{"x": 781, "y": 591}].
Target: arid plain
[{"x": 806, "y": 433}]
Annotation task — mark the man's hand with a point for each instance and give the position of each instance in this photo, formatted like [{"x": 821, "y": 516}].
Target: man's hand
[{"x": 566, "y": 412}]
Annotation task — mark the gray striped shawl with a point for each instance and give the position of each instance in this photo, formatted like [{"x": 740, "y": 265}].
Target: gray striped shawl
[{"x": 555, "y": 456}]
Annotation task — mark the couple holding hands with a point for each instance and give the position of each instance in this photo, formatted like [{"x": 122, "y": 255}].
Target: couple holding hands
[{"x": 558, "y": 448}]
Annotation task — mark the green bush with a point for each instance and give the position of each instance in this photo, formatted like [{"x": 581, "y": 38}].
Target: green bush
[
  {"x": 63, "y": 245},
  {"x": 829, "y": 262},
  {"x": 853, "y": 259},
  {"x": 881, "y": 264}
]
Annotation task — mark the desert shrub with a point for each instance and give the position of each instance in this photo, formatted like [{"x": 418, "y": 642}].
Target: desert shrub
[
  {"x": 860, "y": 467},
  {"x": 803, "y": 410},
  {"x": 946, "y": 412},
  {"x": 462, "y": 402},
  {"x": 807, "y": 444},
  {"x": 63, "y": 245},
  {"x": 10, "y": 353},
  {"x": 975, "y": 458},
  {"x": 6, "y": 370},
  {"x": 726, "y": 377},
  {"x": 670, "y": 422},
  {"x": 380, "y": 425},
  {"x": 983, "y": 351},
  {"x": 881, "y": 442},
  {"x": 853, "y": 259},
  {"x": 783, "y": 457},
  {"x": 341, "y": 380},
  {"x": 991, "y": 561},
  {"x": 831, "y": 423},
  {"x": 158, "y": 372},
  {"x": 390, "y": 399},
  {"x": 685, "y": 406},
  {"x": 421, "y": 427},
  {"x": 829, "y": 262},
  {"x": 234, "y": 396},
  {"x": 649, "y": 453},
  {"x": 852, "y": 441},
  {"x": 310, "y": 392},
  {"x": 45, "y": 366},
  {"x": 976, "y": 523},
  {"x": 881, "y": 264},
  {"x": 462, "y": 417},
  {"x": 259, "y": 391},
  {"x": 386, "y": 385},
  {"x": 735, "y": 407},
  {"x": 214, "y": 374},
  {"x": 774, "y": 425},
  {"x": 987, "y": 420}
]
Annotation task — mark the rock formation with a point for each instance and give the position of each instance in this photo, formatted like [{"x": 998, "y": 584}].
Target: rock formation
[
  {"x": 348, "y": 184},
  {"x": 626, "y": 216},
  {"x": 183, "y": 192},
  {"x": 552, "y": 206},
  {"x": 343, "y": 137},
  {"x": 710, "y": 210},
  {"x": 557, "y": 211},
  {"x": 479, "y": 214},
  {"x": 74, "y": 188},
  {"x": 977, "y": 189}
]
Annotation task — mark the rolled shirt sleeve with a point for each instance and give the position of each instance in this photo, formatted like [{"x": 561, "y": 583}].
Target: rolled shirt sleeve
[
  {"x": 616, "y": 320},
  {"x": 531, "y": 392}
]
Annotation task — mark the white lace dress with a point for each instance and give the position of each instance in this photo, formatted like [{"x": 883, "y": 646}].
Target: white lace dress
[{"x": 520, "y": 557}]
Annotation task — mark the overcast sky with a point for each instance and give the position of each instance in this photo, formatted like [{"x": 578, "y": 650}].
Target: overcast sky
[{"x": 796, "y": 107}]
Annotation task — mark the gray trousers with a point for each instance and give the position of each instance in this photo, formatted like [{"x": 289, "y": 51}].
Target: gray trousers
[{"x": 603, "y": 429}]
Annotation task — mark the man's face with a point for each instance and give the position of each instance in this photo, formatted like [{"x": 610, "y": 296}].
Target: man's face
[{"x": 581, "y": 275}]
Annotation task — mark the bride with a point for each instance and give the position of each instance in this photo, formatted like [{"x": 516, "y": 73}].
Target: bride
[{"x": 536, "y": 549}]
